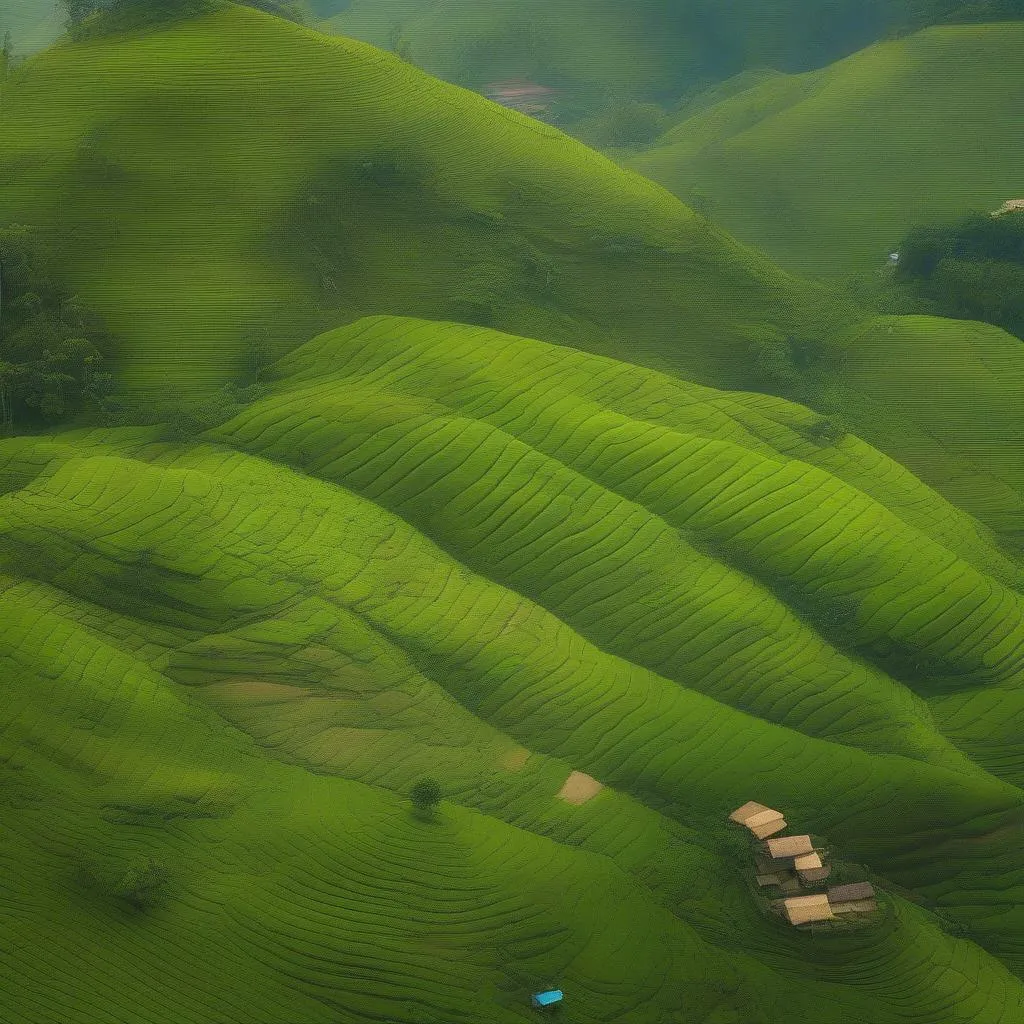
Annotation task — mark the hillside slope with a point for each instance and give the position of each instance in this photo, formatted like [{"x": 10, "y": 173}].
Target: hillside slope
[
  {"x": 213, "y": 216},
  {"x": 469, "y": 533},
  {"x": 650, "y": 49},
  {"x": 271, "y": 182},
  {"x": 826, "y": 171}
]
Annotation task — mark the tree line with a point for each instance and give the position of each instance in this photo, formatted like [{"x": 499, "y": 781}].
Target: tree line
[
  {"x": 972, "y": 269},
  {"x": 50, "y": 345}
]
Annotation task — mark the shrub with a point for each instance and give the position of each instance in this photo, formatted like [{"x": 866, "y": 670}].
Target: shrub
[
  {"x": 425, "y": 796},
  {"x": 970, "y": 270},
  {"x": 144, "y": 883}
]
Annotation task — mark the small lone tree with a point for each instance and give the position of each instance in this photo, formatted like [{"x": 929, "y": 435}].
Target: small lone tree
[
  {"x": 144, "y": 883},
  {"x": 425, "y": 796},
  {"x": 6, "y": 56}
]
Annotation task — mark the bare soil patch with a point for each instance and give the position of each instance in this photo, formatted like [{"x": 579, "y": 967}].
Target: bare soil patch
[{"x": 579, "y": 788}]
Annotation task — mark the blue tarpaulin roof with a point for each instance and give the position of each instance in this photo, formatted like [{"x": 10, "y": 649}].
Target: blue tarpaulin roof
[{"x": 547, "y": 998}]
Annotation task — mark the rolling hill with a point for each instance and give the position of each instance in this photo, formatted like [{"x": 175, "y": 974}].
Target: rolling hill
[
  {"x": 828, "y": 170},
  {"x": 653, "y": 50},
  {"x": 200, "y": 209},
  {"x": 207, "y": 216},
  {"x": 497, "y": 561},
  {"x": 450, "y": 535}
]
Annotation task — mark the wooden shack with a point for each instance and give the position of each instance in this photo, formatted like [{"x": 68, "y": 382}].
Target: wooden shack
[{"x": 855, "y": 898}]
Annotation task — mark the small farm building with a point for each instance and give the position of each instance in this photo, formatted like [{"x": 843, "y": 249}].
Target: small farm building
[
  {"x": 762, "y": 821},
  {"x": 853, "y": 891},
  {"x": 786, "y": 847},
  {"x": 804, "y": 909}
]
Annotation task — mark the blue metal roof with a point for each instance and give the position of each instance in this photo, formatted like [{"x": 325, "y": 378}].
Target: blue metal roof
[{"x": 547, "y": 998}]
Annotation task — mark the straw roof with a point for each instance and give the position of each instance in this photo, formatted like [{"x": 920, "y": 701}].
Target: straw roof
[
  {"x": 806, "y": 861},
  {"x": 853, "y": 891},
  {"x": 803, "y": 909},
  {"x": 790, "y": 846},
  {"x": 815, "y": 874},
  {"x": 769, "y": 828},
  {"x": 751, "y": 808},
  {"x": 762, "y": 818}
]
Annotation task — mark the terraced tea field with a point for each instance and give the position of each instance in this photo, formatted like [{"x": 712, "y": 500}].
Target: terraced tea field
[{"x": 435, "y": 549}]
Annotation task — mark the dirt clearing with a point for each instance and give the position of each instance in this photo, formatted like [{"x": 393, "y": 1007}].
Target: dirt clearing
[{"x": 579, "y": 788}]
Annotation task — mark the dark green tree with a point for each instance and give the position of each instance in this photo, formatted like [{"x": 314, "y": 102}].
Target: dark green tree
[
  {"x": 425, "y": 796},
  {"x": 970, "y": 270},
  {"x": 49, "y": 345},
  {"x": 6, "y": 56},
  {"x": 144, "y": 883}
]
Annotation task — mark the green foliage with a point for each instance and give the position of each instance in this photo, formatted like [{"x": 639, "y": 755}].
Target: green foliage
[
  {"x": 49, "y": 354},
  {"x": 426, "y": 795},
  {"x": 144, "y": 883},
  {"x": 6, "y": 56},
  {"x": 89, "y": 18},
  {"x": 971, "y": 270},
  {"x": 915, "y": 14}
]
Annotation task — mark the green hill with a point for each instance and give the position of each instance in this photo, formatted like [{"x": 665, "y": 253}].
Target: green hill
[
  {"x": 203, "y": 210},
  {"x": 436, "y": 549},
  {"x": 828, "y": 170},
  {"x": 598, "y": 49},
  {"x": 211, "y": 219}
]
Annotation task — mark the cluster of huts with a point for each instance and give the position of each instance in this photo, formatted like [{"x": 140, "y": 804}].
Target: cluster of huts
[{"x": 793, "y": 864}]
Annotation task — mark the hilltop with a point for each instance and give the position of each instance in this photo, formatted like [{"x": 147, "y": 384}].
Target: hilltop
[
  {"x": 828, "y": 170},
  {"x": 498, "y": 562},
  {"x": 211, "y": 208}
]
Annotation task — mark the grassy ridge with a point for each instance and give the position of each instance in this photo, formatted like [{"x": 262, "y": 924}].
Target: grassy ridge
[
  {"x": 828, "y": 170},
  {"x": 135, "y": 762},
  {"x": 215, "y": 221},
  {"x": 345, "y": 642}
]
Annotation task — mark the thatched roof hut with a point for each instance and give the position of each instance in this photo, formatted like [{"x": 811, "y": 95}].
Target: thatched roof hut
[
  {"x": 762, "y": 821},
  {"x": 786, "y": 847},
  {"x": 742, "y": 814},
  {"x": 804, "y": 909}
]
